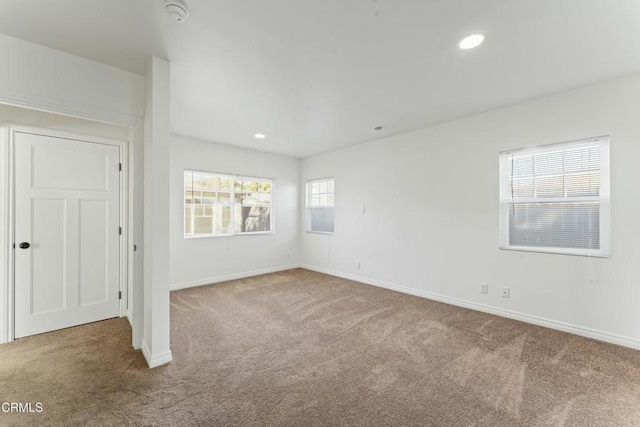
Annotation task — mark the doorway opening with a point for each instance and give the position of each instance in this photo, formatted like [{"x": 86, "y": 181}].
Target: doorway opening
[{"x": 66, "y": 209}]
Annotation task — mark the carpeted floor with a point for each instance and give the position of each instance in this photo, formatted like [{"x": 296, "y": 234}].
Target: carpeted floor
[{"x": 299, "y": 348}]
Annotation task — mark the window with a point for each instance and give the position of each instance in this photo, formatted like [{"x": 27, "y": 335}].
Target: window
[
  {"x": 224, "y": 205},
  {"x": 555, "y": 198},
  {"x": 320, "y": 201}
]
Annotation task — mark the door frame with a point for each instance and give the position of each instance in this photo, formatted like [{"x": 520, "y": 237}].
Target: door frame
[{"x": 7, "y": 234}]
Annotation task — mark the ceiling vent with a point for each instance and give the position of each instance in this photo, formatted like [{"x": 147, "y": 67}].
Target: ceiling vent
[{"x": 176, "y": 9}]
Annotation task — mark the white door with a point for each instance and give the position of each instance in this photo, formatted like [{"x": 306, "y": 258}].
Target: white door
[{"x": 67, "y": 232}]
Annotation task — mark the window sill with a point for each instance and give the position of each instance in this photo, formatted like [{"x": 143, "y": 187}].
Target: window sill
[
  {"x": 559, "y": 251},
  {"x": 204, "y": 236},
  {"x": 319, "y": 232}
]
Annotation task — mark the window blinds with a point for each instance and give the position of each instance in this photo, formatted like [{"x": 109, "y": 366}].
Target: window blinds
[
  {"x": 320, "y": 203},
  {"x": 555, "y": 198}
]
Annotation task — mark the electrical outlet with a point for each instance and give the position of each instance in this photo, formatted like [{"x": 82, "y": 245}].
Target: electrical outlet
[
  {"x": 358, "y": 265},
  {"x": 484, "y": 288},
  {"x": 505, "y": 292}
]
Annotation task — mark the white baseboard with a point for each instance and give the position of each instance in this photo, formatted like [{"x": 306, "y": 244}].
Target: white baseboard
[
  {"x": 527, "y": 318},
  {"x": 157, "y": 360},
  {"x": 219, "y": 279}
]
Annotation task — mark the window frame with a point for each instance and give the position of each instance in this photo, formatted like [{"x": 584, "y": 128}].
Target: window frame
[
  {"x": 603, "y": 199},
  {"x": 232, "y": 204},
  {"x": 308, "y": 206}
]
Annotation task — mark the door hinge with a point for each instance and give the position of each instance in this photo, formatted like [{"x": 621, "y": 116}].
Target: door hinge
[
  {"x": 120, "y": 167},
  {"x": 120, "y": 231},
  {"x": 119, "y": 294}
]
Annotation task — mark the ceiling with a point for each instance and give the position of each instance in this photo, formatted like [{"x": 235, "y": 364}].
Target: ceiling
[{"x": 318, "y": 75}]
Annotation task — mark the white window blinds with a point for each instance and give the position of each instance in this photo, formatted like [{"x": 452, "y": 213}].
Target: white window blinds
[
  {"x": 555, "y": 198},
  {"x": 320, "y": 202}
]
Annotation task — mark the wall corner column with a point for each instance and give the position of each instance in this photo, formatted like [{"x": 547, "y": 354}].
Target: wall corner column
[{"x": 155, "y": 299}]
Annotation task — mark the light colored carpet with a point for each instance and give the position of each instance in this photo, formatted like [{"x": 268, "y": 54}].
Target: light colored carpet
[{"x": 299, "y": 348}]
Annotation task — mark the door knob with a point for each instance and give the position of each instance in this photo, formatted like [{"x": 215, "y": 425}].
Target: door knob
[{"x": 24, "y": 245}]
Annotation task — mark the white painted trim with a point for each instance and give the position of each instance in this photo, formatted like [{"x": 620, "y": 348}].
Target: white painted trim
[
  {"x": 6, "y": 282},
  {"x": 76, "y": 136},
  {"x": 49, "y": 105},
  {"x": 5, "y": 239},
  {"x": 228, "y": 277},
  {"x": 523, "y": 317},
  {"x": 124, "y": 224},
  {"x": 135, "y": 238},
  {"x": 156, "y": 361}
]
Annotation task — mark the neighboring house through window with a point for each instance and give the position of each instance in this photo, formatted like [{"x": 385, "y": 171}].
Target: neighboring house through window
[
  {"x": 224, "y": 205},
  {"x": 555, "y": 198}
]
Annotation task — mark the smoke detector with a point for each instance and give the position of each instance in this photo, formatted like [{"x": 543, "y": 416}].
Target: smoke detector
[{"x": 176, "y": 9}]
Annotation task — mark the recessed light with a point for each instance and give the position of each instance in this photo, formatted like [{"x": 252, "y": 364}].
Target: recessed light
[
  {"x": 469, "y": 42},
  {"x": 378, "y": 128},
  {"x": 259, "y": 136}
]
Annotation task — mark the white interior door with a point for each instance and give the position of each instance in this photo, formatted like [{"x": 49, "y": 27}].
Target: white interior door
[{"x": 67, "y": 232}]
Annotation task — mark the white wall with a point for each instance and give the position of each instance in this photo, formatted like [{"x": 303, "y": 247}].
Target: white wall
[
  {"x": 212, "y": 259},
  {"x": 42, "y": 78},
  {"x": 431, "y": 224}
]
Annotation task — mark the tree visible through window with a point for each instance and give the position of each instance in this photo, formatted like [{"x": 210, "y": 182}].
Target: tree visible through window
[
  {"x": 252, "y": 205},
  {"x": 223, "y": 205}
]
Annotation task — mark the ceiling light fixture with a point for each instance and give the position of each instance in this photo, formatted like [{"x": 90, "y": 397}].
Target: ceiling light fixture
[
  {"x": 176, "y": 9},
  {"x": 259, "y": 136},
  {"x": 469, "y": 42}
]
